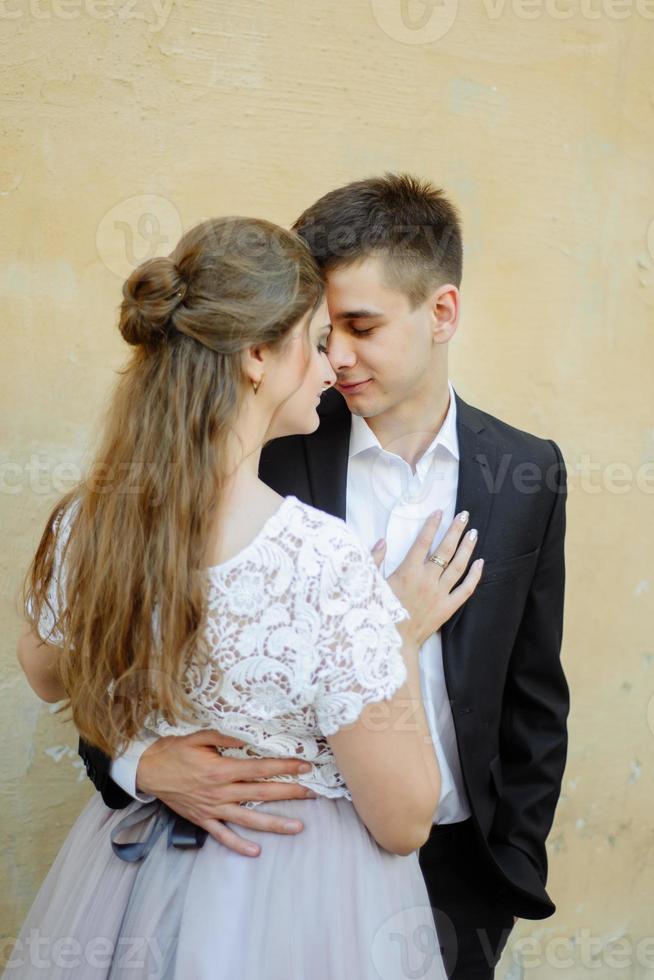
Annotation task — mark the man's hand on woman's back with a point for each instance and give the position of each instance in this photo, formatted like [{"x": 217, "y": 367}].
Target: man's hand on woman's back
[{"x": 193, "y": 779}]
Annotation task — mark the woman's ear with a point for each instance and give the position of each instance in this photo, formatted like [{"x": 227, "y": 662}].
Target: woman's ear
[{"x": 253, "y": 362}]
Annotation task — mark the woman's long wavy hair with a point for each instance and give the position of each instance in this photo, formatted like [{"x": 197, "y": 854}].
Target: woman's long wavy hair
[{"x": 134, "y": 600}]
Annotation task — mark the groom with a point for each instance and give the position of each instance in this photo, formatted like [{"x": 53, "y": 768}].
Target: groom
[{"x": 395, "y": 442}]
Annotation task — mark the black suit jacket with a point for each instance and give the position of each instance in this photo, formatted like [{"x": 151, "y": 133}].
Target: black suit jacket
[{"x": 501, "y": 650}]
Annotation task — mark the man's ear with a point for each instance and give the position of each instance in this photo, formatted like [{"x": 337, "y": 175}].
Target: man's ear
[{"x": 445, "y": 306}]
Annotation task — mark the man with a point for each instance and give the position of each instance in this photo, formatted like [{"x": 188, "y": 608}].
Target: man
[{"x": 396, "y": 442}]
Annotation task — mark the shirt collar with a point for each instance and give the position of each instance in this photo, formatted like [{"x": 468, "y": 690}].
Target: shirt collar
[{"x": 362, "y": 437}]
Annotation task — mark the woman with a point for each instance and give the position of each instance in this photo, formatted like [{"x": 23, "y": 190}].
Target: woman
[{"x": 175, "y": 591}]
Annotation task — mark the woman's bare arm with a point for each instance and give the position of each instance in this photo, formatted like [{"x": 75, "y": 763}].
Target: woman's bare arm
[
  {"x": 39, "y": 663},
  {"x": 388, "y": 761}
]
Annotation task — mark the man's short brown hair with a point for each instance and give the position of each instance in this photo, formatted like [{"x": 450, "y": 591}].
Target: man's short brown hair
[{"x": 408, "y": 222}]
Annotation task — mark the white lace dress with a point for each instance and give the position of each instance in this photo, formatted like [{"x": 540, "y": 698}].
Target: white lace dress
[{"x": 300, "y": 637}]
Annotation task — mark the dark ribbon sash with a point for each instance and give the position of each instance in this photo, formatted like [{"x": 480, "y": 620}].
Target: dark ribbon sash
[{"x": 182, "y": 833}]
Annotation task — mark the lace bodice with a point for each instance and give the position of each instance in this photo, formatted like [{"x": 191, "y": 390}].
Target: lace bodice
[{"x": 300, "y": 636}]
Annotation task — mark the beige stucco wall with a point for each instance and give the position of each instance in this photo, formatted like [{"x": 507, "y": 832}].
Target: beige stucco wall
[{"x": 124, "y": 123}]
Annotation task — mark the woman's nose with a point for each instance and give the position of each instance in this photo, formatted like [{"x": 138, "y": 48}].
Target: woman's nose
[{"x": 331, "y": 379}]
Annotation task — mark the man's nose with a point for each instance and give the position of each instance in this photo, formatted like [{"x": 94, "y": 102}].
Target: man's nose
[{"x": 340, "y": 355}]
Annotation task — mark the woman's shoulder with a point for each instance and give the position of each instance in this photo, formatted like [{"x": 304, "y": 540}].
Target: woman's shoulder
[
  {"x": 63, "y": 522},
  {"x": 320, "y": 524},
  {"x": 323, "y": 544},
  {"x": 338, "y": 570}
]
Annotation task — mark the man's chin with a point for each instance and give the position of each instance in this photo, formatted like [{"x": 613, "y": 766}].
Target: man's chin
[
  {"x": 365, "y": 411},
  {"x": 365, "y": 405}
]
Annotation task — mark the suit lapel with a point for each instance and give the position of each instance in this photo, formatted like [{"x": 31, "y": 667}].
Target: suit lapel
[{"x": 477, "y": 469}]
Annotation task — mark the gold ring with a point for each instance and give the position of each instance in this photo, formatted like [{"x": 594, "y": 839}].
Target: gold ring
[{"x": 439, "y": 561}]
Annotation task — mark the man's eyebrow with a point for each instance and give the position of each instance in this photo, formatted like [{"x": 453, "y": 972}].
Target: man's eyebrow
[{"x": 362, "y": 314}]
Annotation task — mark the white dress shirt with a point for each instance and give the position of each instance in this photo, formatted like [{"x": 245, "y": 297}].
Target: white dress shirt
[
  {"x": 123, "y": 768},
  {"x": 385, "y": 499}
]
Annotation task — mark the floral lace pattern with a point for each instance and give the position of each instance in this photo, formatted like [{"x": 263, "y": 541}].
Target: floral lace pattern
[{"x": 300, "y": 637}]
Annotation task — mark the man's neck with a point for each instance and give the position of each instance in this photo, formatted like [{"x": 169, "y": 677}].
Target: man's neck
[{"x": 408, "y": 429}]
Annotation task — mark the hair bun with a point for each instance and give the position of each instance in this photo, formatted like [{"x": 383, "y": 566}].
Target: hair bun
[{"x": 150, "y": 296}]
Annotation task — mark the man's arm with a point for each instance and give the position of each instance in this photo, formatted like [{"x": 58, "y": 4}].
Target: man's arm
[
  {"x": 124, "y": 767},
  {"x": 533, "y": 736},
  {"x": 98, "y": 768},
  {"x": 187, "y": 774}
]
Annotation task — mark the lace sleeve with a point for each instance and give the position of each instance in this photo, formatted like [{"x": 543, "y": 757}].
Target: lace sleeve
[
  {"x": 359, "y": 647},
  {"x": 52, "y": 610}
]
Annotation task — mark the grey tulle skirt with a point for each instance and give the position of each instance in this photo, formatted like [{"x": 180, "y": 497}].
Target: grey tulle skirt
[{"x": 325, "y": 904}]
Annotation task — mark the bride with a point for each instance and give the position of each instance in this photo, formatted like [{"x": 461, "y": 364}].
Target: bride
[{"x": 173, "y": 591}]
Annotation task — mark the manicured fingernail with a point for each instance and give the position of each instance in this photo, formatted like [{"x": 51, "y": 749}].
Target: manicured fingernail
[
  {"x": 252, "y": 849},
  {"x": 437, "y": 513},
  {"x": 480, "y": 562},
  {"x": 305, "y": 767},
  {"x": 292, "y": 825},
  {"x": 472, "y": 535},
  {"x": 380, "y": 544},
  {"x": 463, "y": 516}
]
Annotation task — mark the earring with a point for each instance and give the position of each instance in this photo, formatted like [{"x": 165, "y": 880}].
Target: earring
[{"x": 256, "y": 386}]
